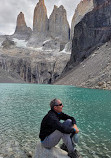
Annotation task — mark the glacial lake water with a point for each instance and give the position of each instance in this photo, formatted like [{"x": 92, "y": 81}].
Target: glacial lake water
[{"x": 22, "y": 107}]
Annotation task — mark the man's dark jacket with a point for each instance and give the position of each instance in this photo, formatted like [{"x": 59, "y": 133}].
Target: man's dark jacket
[{"x": 51, "y": 122}]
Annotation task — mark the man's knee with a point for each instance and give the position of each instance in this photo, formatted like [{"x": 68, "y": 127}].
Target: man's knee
[
  {"x": 68, "y": 122},
  {"x": 58, "y": 133},
  {"x": 53, "y": 139},
  {"x": 55, "y": 136}
]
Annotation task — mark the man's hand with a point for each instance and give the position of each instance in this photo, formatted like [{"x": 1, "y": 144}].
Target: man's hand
[{"x": 76, "y": 129}]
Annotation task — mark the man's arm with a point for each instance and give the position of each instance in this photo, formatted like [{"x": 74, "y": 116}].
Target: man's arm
[
  {"x": 55, "y": 124},
  {"x": 65, "y": 117}
]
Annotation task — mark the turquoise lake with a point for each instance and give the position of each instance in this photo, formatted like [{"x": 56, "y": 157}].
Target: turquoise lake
[{"x": 22, "y": 107}]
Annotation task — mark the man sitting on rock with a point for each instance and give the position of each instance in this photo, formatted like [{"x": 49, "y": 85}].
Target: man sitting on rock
[{"x": 52, "y": 130}]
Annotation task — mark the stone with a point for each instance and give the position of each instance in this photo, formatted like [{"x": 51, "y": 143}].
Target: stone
[
  {"x": 21, "y": 28},
  {"x": 8, "y": 43},
  {"x": 68, "y": 47},
  {"x": 58, "y": 24},
  {"x": 55, "y": 152},
  {"x": 41, "y": 152},
  {"x": 100, "y": 84},
  {"x": 51, "y": 44},
  {"x": 28, "y": 153},
  {"x": 12, "y": 149},
  {"x": 108, "y": 82},
  {"x": 40, "y": 19},
  {"x": 83, "y": 7},
  {"x": 36, "y": 40}
]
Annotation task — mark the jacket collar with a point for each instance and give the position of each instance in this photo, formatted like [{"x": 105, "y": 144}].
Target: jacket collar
[{"x": 55, "y": 112}]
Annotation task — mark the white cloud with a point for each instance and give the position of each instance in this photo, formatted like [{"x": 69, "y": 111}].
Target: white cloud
[{"x": 9, "y": 10}]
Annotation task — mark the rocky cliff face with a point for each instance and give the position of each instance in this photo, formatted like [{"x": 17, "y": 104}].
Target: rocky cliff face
[
  {"x": 83, "y": 7},
  {"x": 58, "y": 24},
  {"x": 92, "y": 31},
  {"x": 40, "y": 20},
  {"x": 21, "y": 27},
  {"x": 32, "y": 66},
  {"x": 99, "y": 2}
]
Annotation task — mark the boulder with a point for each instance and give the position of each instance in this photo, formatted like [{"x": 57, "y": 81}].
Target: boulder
[
  {"x": 51, "y": 44},
  {"x": 8, "y": 43},
  {"x": 55, "y": 152},
  {"x": 68, "y": 47},
  {"x": 2, "y": 38},
  {"x": 83, "y": 7},
  {"x": 58, "y": 24},
  {"x": 41, "y": 152}
]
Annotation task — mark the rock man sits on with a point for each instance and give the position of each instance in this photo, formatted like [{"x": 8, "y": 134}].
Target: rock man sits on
[{"x": 52, "y": 130}]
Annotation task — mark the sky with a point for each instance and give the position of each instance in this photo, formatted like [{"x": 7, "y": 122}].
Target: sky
[{"x": 9, "y": 10}]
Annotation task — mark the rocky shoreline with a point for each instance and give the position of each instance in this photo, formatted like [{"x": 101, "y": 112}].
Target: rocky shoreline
[{"x": 12, "y": 149}]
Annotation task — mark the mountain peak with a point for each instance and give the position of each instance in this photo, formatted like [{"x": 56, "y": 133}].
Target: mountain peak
[
  {"x": 55, "y": 7},
  {"x": 61, "y": 7},
  {"x": 40, "y": 21},
  {"x": 21, "y": 27},
  {"x": 58, "y": 24},
  {"x": 83, "y": 7},
  {"x": 21, "y": 20},
  {"x": 41, "y": 1}
]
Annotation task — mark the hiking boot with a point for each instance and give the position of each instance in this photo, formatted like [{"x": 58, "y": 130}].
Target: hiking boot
[
  {"x": 73, "y": 154},
  {"x": 64, "y": 147}
]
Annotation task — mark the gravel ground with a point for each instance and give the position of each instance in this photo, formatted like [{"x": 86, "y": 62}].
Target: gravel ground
[{"x": 94, "y": 72}]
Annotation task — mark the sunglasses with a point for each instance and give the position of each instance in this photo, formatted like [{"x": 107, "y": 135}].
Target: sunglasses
[{"x": 59, "y": 104}]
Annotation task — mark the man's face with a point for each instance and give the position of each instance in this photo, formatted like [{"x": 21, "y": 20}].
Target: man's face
[{"x": 58, "y": 108}]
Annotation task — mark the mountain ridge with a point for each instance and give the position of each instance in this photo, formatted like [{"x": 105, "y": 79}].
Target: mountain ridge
[
  {"x": 93, "y": 72},
  {"x": 90, "y": 34}
]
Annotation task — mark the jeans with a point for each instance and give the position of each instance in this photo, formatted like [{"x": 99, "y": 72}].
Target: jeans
[{"x": 54, "y": 138}]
